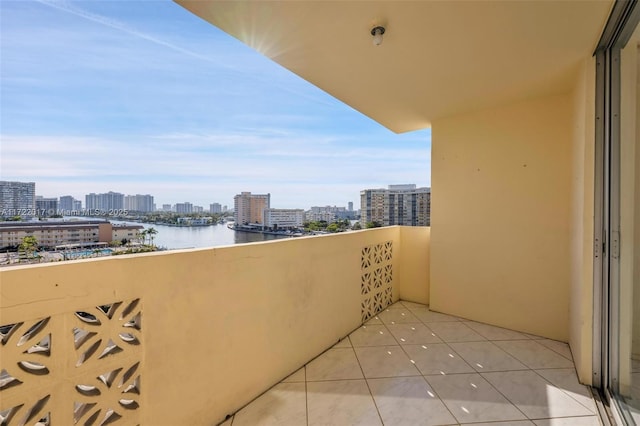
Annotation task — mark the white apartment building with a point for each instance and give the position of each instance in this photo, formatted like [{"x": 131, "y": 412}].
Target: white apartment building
[
  {"x": 106, "y": 201},
  {"x": 139, "y": 203},
  {"x": 184, "y": 208},
  {"x": 283, "y": 218}
]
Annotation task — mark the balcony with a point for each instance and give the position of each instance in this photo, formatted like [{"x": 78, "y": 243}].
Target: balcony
[{"x": 193, "y": 336}]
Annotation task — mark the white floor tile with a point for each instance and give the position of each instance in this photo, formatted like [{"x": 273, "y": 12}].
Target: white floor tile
[
  {"x": 454, "y": 332},
  {"x": 334, "y": 364},
  {"x": 372, "y": 335},
  {"x": 344, "y": 402},
  {"x": 396, "y": 305},
  {"x": 413, "y": 305},
  {"x": 385, "y": 361},
  {"x": 436, "y": 358},
  {"x": 284, "y": 404},
  {"x": 296, "y": 377},
  {"x": 408, "y": 401},
  {"x": 427, "y": 316},
  {"x": 494, "y": 333},
  {"x": 559, "y": 347},
  {"x": 413, "y": 334},
  {"x": 514, "y": 423},
  {"x": 485, "y": 356},
  {"x": 534, "y": 396},
  {"x": 567, "y": 380},
  {"x": 472, "y": 399},
  {"x": 570, "y": 421},
  {"x": 374, "y": 320},
  {"x": 533, "y": 354},
  {"x": 344, "y": 343},
  {"x": 397, "y": 316}
]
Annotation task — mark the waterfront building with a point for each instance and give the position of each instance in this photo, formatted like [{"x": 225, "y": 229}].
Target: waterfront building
[
  {"x": 215, "y": 208},
  {"x": 328, "y": 214},
  {"x": 184, "y": 208},
  {"x": 139, "y": 203},
  {"x": 125, "y": 232},
  {"x": 54, "y": 234},
  {"x": 17, "y": 198},
  {"x": 283, "y": 218},
  {"x": 248, "y": 207},
  {"x": 108, "y": 201},
  {"x": 166, "y": 207},
  {"x": 198, "y": 209},
  {"x": 396, "y": 205},
  {"x": 46, "y": 206}
]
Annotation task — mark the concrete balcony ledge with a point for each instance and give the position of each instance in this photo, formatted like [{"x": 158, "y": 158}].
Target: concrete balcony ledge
[{"x": 188, "y": 337}]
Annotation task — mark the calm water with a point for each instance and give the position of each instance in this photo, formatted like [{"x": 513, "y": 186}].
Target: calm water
[{"x": 173, "y": 237}]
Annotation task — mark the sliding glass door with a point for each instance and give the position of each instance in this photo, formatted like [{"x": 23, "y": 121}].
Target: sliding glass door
[{"x": 618, "y": 130}]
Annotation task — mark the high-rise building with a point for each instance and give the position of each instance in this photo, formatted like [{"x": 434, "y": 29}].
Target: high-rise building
[
  {"x": 396, "y": 205},
  {"x": 46, "y": 206},
  {"x": 166, "y": 207},
  {"x": 350, "y": 206},
  {"x": 248, "y": 208},
  {"x": 185, "y": 207},
  {"x": 139, "y": 203},
  {"x": 67, "y": 204},
  {"x": 107, "y": 202},
  {"x": 215, "y": 208},
  {"x": 17, "y": 198},
  {"x": 198, "y": 209}
]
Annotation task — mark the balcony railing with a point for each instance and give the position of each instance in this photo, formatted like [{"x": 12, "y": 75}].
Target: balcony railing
[{"x": 187, "y": 337}]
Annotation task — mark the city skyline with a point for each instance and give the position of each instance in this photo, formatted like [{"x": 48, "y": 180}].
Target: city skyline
[{"x": 102, "y": 96}]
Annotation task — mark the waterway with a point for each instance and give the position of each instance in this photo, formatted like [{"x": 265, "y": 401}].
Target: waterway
[{"x": 180, "y": 237}]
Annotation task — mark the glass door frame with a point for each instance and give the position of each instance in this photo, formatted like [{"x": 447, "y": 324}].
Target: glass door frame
[{"x": 624, "y": 17}]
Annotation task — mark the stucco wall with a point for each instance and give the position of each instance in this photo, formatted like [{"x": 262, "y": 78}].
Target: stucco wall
[
  {"x": 500, "y": 221},
  {"x": 582, "y": 221},
  {"x": 219, "y": 326}
]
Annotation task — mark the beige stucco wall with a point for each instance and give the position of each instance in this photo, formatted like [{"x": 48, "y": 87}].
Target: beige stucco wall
[
  {"x": 500, "y": 217},
  {"x": 219, "y": 326},
  {"x": 582, "y": 221},
  {"x": 414, "y": 264}
]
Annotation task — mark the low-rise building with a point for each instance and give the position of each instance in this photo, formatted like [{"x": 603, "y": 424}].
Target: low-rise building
[
  {"x": 52, "y": 234},
  {"x": 283, "y": 218}
]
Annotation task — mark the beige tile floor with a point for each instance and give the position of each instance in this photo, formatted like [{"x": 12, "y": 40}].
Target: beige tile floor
[{"x": 410, "y": 366}]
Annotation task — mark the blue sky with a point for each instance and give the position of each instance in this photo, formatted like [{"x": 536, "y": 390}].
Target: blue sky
[{"x": 144, "y": 97}]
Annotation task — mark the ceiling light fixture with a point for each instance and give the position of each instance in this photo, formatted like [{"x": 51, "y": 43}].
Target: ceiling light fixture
[{"x": 377, "y": 32}]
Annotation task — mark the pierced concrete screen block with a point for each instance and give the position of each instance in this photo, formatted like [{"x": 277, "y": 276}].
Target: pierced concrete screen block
[
  {"x": 25, "y": 352},
  {"x": 376, "y": 280},
  {"x": 80, "y": 367}
]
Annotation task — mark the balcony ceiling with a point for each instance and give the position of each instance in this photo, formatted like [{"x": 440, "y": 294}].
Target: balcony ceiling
[{"x": 438, "y": 58}]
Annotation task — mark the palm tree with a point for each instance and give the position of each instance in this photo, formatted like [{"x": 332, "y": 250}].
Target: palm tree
[
  {"x": 152, "y": 232},
  {"x": 143, "y": 235}
]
